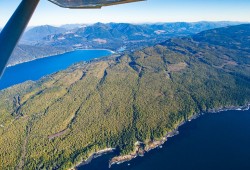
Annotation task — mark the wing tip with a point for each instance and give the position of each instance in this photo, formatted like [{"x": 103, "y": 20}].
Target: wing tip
[{"x": 90, "y": 6}]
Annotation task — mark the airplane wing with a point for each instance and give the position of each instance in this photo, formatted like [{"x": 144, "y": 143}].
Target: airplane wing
[
  {"x": 89, "y": 3},
  {"x": 13, "y": 30}
]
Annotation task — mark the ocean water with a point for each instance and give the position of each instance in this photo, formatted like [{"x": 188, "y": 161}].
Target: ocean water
[
  {"x": 36, "y": 69},
  {"x": 218, "y": 141}
]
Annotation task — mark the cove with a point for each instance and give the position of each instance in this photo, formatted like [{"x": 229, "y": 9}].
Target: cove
[{"x": 36, "y": 69}]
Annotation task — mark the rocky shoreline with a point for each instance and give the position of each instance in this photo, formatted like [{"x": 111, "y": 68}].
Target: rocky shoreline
[
  {"x": 141, "y": 148},
  {"x": 93, "y": 156}
]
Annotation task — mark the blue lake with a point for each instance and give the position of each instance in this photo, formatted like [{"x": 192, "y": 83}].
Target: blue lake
[
  {"x": 36, "y": 69},
  {"x": 212, "y": 142}
]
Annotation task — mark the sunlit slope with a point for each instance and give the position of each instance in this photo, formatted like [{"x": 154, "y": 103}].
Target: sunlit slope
[{"x": 63, "y": 118}]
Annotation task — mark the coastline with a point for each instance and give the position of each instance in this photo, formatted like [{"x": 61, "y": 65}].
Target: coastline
[
  {"x": 139, "y": 151},
  {"x": 93, "y": 156},
  {"x": 111, "y": 51}
]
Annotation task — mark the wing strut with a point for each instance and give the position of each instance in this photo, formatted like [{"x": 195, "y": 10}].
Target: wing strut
[{"x": 14, "y": 29}]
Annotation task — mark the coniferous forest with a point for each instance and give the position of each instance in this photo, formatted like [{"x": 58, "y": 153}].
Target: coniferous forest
[{"x": 63, "y": 118}]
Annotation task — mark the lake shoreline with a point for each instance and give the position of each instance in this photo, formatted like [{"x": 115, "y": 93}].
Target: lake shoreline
[
  {"x": 33, "y": 70},
  {"x": 61, "y": 53},
  {"x": 46, "y": 56}
]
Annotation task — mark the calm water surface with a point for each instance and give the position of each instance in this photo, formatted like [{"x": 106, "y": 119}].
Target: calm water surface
[
  {"x": 36, "y": 69},
  {"x": 212, "y": 142}
]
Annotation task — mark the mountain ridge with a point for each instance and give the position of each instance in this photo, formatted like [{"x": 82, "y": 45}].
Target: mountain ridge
[
  {"x": 46, "y": 40},
  {"x": 37, "y": 33}
]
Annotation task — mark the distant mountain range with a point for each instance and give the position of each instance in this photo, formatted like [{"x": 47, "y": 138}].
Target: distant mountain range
[
  {"x": 49, "y": 40},
  {"x": 114, "y": 35},
  {"x": 36, "y": 34},
  {"x": 129, "y": 102},
  {"x": 73, "y": 26}
]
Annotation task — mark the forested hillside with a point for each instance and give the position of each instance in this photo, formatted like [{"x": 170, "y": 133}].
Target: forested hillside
[
  {"x": 111, "y": 103},
  {"x": 25, "y": 53}
]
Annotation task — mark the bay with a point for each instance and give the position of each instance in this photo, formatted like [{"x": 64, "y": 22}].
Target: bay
[
  {"x": 36, "y": 69},
  {"x": 218, "y": 141}
]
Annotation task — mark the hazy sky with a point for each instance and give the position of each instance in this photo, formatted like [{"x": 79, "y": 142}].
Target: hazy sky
[{"x": 148, "y": 11}]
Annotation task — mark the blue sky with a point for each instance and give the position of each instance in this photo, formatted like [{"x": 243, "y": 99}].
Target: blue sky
[{"x": 140, "y": 12}]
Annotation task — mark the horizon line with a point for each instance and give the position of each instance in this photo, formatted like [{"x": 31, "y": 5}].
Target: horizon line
[
  {"x": 136, "y": 23},
  {"x": 139, "y": 23}
]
